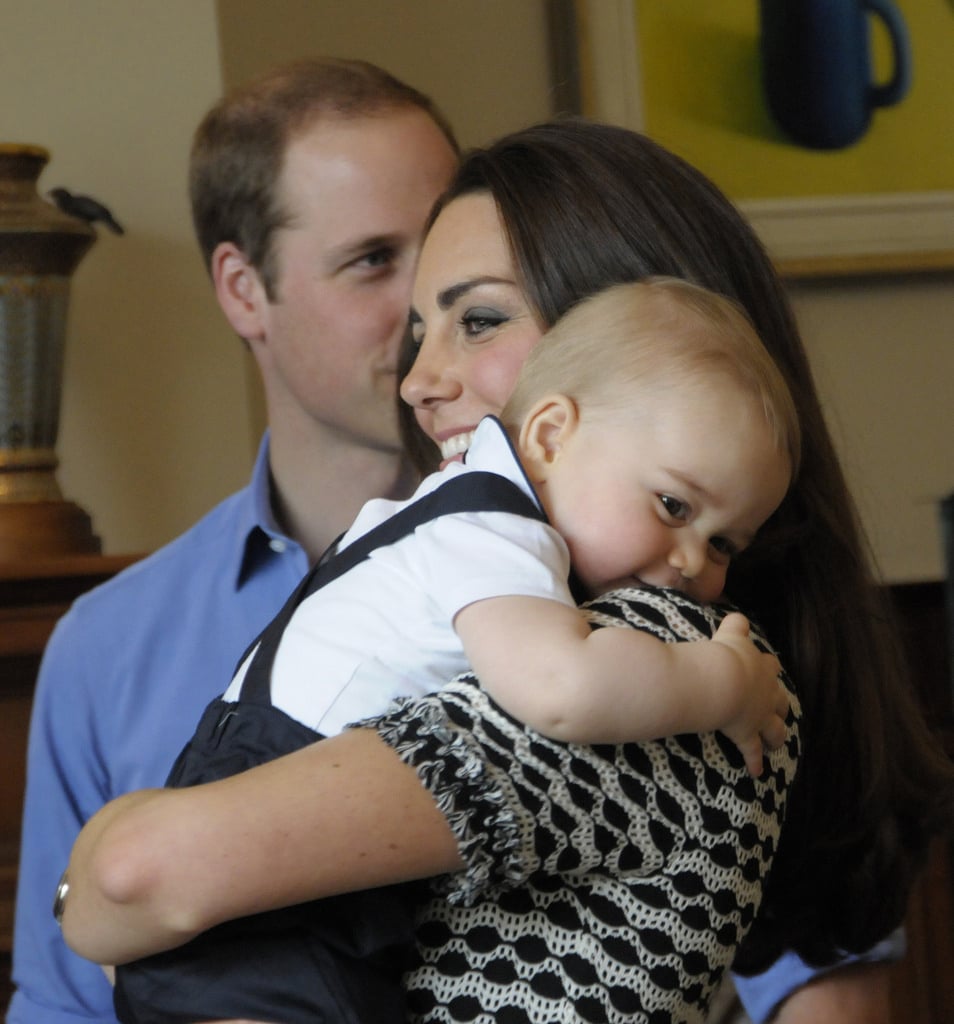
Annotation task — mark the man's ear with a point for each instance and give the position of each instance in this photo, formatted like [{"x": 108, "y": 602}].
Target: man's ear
[
  {"x": 550, "y": 423},
  {"x": 240, "y": 291}
]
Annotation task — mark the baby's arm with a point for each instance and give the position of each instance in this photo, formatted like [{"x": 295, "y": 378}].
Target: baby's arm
[{"x": 541, "y": 662}]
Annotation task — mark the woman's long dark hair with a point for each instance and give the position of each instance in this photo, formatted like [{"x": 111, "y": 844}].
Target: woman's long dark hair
[{"x": 588, "y": 205}]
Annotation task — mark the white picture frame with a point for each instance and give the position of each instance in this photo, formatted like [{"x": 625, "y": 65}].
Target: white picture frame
[{"x": 818, "y": 236}]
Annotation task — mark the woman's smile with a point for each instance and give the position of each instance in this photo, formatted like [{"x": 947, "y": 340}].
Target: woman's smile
[{"x": 455, "y": 446}]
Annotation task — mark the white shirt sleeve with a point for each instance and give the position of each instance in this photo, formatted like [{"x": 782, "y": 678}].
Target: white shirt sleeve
[{"x": 473, "y": 556}]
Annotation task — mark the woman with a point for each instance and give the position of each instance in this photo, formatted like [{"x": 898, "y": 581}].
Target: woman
[
  {"x": 583, "y": 205},
  {"x": 580, "y": 206}
]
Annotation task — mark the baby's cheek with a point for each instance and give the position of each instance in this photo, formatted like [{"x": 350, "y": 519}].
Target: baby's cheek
[{"x": 712, "y": 586}]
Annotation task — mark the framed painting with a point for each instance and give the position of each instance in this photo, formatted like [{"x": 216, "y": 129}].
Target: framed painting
[{"x": 693, "y": 77}]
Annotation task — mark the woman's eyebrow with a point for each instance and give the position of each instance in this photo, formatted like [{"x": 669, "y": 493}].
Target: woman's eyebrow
[{"x": 449, "y": 296}]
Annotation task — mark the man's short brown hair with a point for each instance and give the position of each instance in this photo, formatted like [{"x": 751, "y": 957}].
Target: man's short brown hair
[{"x": 239, "y": 147}]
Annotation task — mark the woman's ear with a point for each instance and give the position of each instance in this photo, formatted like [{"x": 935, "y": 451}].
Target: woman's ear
[
  {"x": 548, "y": 426},
  {"x": 240, "y": 291}
]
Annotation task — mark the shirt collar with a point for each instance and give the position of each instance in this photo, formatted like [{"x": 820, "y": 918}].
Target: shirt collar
[
  {"x": 492, "y": 448},
  {"x": 258, "y": 532}
]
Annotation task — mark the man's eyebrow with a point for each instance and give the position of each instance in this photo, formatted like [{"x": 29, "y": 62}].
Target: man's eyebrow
[
  {"x": 350, "y": 250},
  {"x": 449, "y": 296}
]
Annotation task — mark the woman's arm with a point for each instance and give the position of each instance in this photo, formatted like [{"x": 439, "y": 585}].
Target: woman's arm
[
  {"x": 154, "y": 868},
  {"x": 455, "y": 784}
]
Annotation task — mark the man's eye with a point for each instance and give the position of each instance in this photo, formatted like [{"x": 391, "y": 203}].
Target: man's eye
[
  {"x": 377, "y": 258},
  {"x": 415, "y": 329},
  {"x": 675, "y": 508}
]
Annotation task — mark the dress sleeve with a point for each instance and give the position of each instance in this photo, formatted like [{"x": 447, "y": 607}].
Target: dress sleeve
[{"x": 520, "y": 803}]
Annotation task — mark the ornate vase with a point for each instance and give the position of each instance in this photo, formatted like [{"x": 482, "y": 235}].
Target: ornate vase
[{"x": 40, "y": 247}]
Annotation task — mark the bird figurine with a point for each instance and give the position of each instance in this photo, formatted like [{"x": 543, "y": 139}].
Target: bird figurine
[{"x": 84, "y": 208}]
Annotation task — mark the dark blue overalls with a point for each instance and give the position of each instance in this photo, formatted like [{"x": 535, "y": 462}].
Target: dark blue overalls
[{"x": 339, "y": 959}]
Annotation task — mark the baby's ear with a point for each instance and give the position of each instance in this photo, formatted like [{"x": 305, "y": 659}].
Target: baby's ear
[{"x": 546, "y": 428}]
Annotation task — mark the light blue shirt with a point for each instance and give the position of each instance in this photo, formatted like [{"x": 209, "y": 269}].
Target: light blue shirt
[
  {"x": 762, "y": 993},
  {"x": 125, "y": 676}
]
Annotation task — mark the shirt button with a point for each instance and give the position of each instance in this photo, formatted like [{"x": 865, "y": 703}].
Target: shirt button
[{"x": 278, "y": 545}]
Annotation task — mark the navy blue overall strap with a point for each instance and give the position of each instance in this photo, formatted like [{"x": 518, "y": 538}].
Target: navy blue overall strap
[{"x": 477, "y": 491}]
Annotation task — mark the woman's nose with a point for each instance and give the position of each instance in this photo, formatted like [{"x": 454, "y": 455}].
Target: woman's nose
[{"x": 429, "y": 381}]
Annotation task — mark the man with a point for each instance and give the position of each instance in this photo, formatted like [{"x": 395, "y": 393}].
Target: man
[{"x": 310, "y": 188}]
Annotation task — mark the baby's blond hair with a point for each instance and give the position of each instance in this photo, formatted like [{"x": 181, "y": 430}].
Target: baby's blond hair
[{"x": 656, "y": 332}]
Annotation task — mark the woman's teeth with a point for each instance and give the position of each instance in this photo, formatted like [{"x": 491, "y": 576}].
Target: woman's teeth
[{"x": 456, "y": 445}]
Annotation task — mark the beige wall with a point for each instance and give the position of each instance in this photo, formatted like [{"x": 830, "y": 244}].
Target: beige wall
[
  {"x": 154, "y": 426},
  {"x": 156, "y": 422},
  {"x": 882, "y": 349},
  {"x": 485, "y": 61}
]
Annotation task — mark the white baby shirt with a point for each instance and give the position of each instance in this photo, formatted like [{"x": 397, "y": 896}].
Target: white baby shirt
[{"x": 384, "y": 629}]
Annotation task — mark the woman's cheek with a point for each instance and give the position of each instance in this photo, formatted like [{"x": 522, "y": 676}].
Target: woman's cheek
[{"x": 501, "y": 371}]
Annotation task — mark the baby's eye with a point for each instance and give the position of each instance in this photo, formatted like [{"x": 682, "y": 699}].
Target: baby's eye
[
  {"x": 675, "y": 508},
  {"x": 724, "y": 547}
]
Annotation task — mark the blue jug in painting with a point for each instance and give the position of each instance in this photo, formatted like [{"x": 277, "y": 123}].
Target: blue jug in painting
[{"x": 817, "y": 70}]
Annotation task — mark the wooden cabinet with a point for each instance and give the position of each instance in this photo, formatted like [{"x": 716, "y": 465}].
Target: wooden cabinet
[
  {"x": 922, "y": 984},
  {"x": 33, "y": 595}
]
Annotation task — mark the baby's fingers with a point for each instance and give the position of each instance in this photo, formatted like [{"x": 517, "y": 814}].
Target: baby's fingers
[
  {"x": 783, "y": 701},
  {"x": 774, "y": 733},
  {"x": 754, "y": 754},
  {"x": 734, "y": 624}
]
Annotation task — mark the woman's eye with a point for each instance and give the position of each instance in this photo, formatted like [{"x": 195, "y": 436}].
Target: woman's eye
[
  {"x": 675, "y": 508},
  {"x": 476, "y": 321}
]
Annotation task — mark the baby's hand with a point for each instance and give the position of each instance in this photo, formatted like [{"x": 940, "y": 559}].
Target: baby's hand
[{"x": 763, "y": 704}]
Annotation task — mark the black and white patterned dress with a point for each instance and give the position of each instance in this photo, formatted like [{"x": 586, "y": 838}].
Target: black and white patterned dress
[{"x": 603, "y": 884}]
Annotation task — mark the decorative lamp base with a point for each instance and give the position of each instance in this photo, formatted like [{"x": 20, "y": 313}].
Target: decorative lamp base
[{"x": 45, "y": 529}]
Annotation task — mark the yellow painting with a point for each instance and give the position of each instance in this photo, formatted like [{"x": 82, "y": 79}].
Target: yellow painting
[
  {"x": 693, "y": 76},
  {"x": 701, "y": 73}
]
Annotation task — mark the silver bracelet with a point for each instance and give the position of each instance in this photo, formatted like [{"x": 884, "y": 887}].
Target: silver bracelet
[{"x": 59, "y": 900}]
